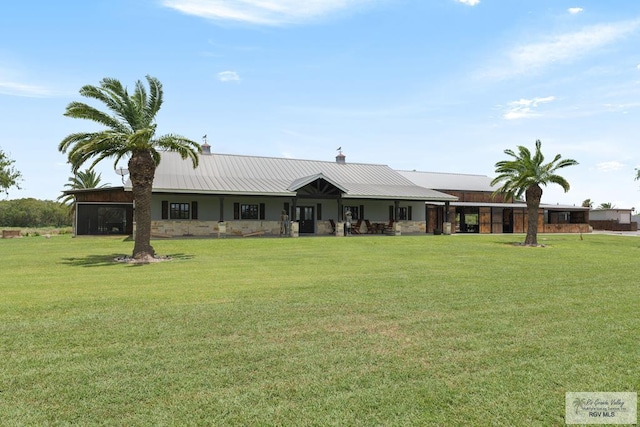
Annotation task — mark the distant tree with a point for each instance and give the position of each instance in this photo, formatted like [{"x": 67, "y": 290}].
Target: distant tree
[
  {"x": 33, "y": 213},
  {"x": 9, "y": 176},
  {"x": 524, "y": 174},
  {"x": 637, "y": 174},
  {"x": 130, "y": 132},
  {"x": 81, "y": 180},
  {"x": 587, "y": 203},
  {"x": 606, "y": 205}
]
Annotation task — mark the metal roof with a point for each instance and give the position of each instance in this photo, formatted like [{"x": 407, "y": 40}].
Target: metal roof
[
  {"x": 449, "y": 181},
  {"x": 549, "y": 207},
  {"x": 251, "y": 175}
]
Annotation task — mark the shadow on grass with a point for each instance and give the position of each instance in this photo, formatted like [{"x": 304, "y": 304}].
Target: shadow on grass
[{"x": 113, "y": 260}]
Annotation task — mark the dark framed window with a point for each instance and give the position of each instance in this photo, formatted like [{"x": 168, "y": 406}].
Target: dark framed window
[
  {"x": 403, "y": 214},
  {"x": 179, "y": 211},
  {"x": 249, "y": 211}
]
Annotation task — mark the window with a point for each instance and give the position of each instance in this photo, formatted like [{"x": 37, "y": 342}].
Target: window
[
  {"x": 355, "y": 212},
  {"x": 179, "y": 211},
  {"x": 402, "y": 214},
  {"x": 249, "y": 212}
]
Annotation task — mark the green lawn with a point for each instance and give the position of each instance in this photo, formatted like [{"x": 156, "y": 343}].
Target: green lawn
[{"x": 373, "y": 330}]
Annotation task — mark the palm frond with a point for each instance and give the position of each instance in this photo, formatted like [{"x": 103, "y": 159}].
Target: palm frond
[
  {"x": 79, "y": 110},
  {"x": 155, "y": 98}
]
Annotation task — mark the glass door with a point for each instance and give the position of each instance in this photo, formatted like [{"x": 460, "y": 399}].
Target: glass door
[{"x": 306, "y": 219}]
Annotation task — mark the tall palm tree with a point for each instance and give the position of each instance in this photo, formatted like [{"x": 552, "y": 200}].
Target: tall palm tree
[
  {"x": 82, "y": 180},
  {"x": 524, "y": 174},
  {"x": 130, "y": 132},
  {"x": 606, "y": 205}
]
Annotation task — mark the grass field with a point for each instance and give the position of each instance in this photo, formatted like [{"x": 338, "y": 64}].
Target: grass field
[{"x": 374, "y": 330}]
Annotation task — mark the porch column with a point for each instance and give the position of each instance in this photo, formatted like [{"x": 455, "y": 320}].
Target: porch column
[
  {"x": 445, "y": 229},
  {"x": 221, "y": 209},
  {"x": 294, "y": 205}
]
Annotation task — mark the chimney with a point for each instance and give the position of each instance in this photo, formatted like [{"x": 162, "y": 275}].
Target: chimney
[
  {"x": 341, "y": 158},
  {"x": 206, "y": 148}
]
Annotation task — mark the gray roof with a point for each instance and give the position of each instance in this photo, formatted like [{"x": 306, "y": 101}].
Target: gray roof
[
  {"x": 520, "y": 205},
  {"x": 251, "y": 175},
  {"x": 449, "y": 181}
]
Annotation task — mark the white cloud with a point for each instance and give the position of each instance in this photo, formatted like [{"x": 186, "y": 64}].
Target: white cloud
[
  {"x": 575, "y": 10},
  {"x": 228, "y": 76},
  {"x": 25, "y": 90},
  {"x": 613, "y": 165},
  {"x": 469, "y": 2},
  {"x": 525, "y": 108},
  {"x": 263, "y": 12},
  {"x": 561, "y": 48}
]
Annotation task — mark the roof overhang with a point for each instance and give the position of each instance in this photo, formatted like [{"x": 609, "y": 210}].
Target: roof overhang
[
  {"x": 93, "y": 190},
  {"x": 513, "y": 205}
]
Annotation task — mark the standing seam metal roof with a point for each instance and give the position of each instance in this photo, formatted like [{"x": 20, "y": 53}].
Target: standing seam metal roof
[
  {"x": 229, "y": 174},
  {"x": 449, "y": 181}
]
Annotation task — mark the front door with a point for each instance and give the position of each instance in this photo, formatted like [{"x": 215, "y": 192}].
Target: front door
[{"x": 306, "y": 219}]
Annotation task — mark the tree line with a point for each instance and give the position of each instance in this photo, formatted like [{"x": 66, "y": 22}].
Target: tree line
[{"x": 33, "y": 213}]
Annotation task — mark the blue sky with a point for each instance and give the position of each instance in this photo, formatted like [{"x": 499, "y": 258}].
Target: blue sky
[{"x": 432, "y": 85}]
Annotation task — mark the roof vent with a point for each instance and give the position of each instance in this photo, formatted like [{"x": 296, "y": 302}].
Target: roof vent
[{"x": 341, "y": 158}]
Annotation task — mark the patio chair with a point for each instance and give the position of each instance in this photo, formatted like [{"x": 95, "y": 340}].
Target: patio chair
[
  {"x": 355, "y": 229},
  {"x": 333, "y": 226},
  {"x": 388, "y": 228},
  {"x": 370, "y": 228}
]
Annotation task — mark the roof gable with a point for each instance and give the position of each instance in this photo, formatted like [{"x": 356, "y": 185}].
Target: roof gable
[{"x": 323, "y": 185}]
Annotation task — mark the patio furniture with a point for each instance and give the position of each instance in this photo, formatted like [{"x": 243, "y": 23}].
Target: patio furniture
[
  {"x": 333, "y": 226},
  {"x": 370, "y": 227},
  {"x": 355, "y": 229}
]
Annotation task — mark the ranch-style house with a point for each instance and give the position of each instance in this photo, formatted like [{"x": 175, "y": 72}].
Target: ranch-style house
[{"x": 236, "y": 195}]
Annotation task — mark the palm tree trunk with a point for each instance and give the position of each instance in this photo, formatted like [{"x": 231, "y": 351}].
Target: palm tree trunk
[
  {"x": 533, "y": 196},
  {"x": 142, "y": 169}
]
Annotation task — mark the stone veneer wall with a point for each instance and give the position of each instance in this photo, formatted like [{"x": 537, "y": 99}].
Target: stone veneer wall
[
  {"x": 177, "y": 228},
  {"x": 412, "y": 227}
]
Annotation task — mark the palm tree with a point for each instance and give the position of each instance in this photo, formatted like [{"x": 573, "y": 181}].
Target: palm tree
[
  {"x": 130, "y": 132},
  {"x": 606, "y": 205},
  {"x": 525, "y": 174},
  {"x": 82, "y": 180},
  {"x": 587, "y": 203}
]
